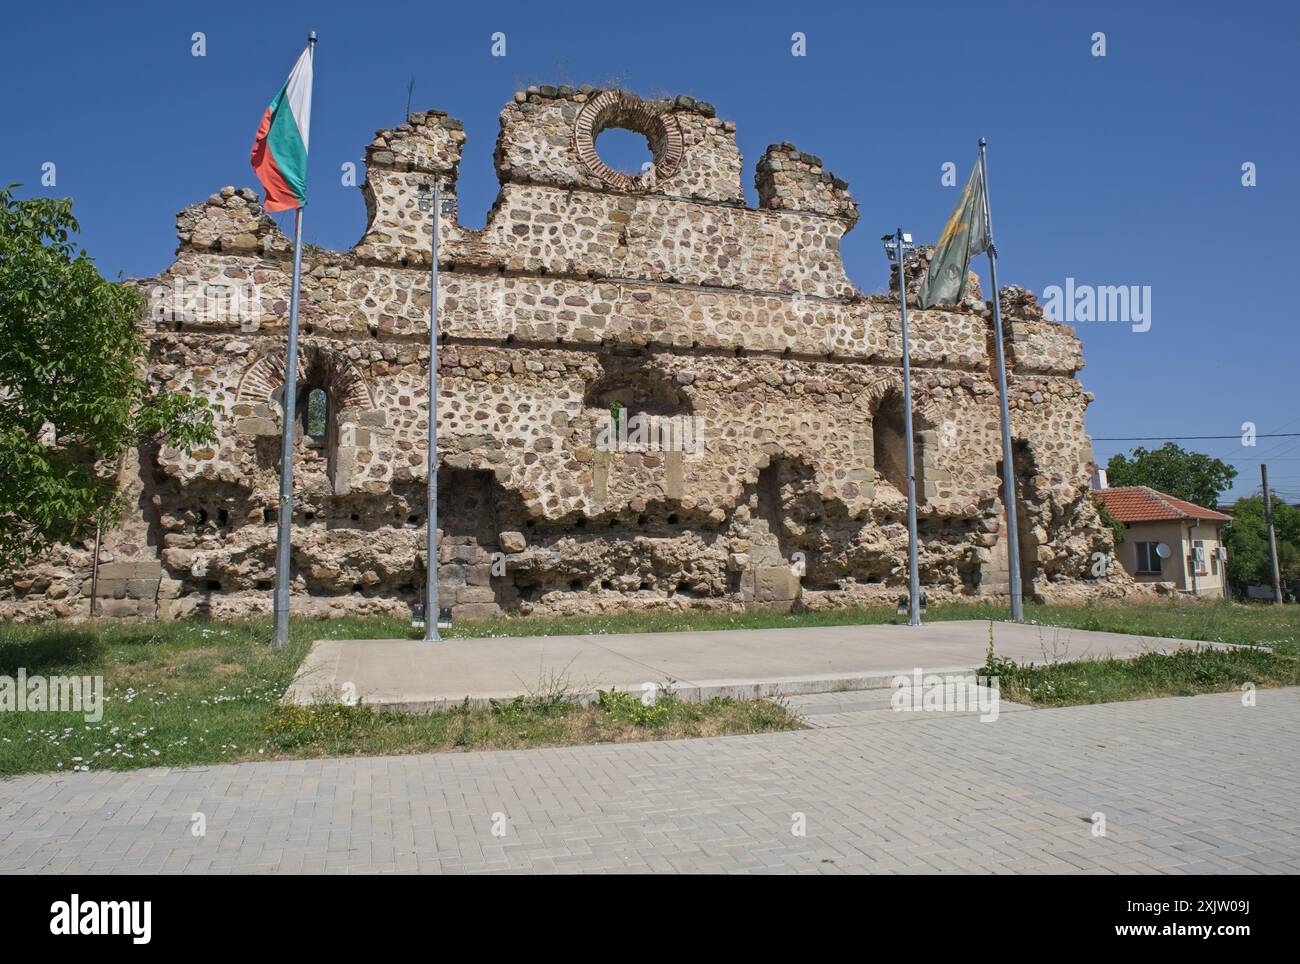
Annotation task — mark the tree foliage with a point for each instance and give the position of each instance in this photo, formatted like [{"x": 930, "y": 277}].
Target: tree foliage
[
  {"x": 1247, "y": 542},
  {"x": 1172, "y": 469},
  {"x": 71, "y": 392}
]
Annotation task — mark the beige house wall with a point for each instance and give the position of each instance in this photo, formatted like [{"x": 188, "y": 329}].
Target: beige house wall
[
  {"x": 1177, "y": 569},
  {"x": 1215, "y": 579}
]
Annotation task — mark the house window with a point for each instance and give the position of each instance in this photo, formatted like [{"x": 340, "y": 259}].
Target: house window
[
  {"x": 1198, "y": 557},
  {"x": 1148, "y": 560}
]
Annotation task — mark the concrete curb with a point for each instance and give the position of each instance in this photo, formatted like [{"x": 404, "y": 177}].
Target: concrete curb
[{"x": 697, "y": 692}]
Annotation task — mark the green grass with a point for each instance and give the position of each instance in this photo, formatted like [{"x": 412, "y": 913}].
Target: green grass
[
  {"x": 1248, "y": 624},
  {"x": 1185, "y": 672},
  {"x": 191, "y": 693},
  {"x": 333, "y": 730}
]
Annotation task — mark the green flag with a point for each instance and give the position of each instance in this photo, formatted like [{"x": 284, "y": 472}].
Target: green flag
[{"x": 965, "y": 235}]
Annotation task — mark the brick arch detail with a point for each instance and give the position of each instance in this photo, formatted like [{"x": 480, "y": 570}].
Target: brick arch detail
[
  {"x": 317, "y": 365},
  {"x": 617, "y": 108},
  {"x": 926, "y": 414}
]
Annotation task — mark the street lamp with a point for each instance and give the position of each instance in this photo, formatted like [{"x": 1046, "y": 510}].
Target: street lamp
[
  {"x": 432, "y": 201},
  {"x": 898, "y": 248}
]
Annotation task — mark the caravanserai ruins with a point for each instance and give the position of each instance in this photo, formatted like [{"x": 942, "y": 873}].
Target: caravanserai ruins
[{"x": 754, "y": 394}]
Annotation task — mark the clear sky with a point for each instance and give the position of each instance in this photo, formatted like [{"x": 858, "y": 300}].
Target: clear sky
[{"x": 1117, "y": 170}]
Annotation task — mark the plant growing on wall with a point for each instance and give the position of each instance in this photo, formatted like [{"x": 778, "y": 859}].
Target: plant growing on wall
[
  {"x": 71, "y": 395},
  {"x": 1114, "y": 525}
]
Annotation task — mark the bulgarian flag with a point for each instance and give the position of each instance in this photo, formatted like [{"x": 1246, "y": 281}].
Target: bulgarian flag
[{"x": 279, "y": 155}]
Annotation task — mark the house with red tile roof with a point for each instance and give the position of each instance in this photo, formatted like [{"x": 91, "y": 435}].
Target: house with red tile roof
[{"x": 1168, "y": 540}]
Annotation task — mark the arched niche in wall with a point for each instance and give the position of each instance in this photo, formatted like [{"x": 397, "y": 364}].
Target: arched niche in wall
[
  {"x": 343, "y": 402},
  {"x": 885, "y": 403},
  {"x": 631, "y": 409},
  {"x": 639, "y": 390}
]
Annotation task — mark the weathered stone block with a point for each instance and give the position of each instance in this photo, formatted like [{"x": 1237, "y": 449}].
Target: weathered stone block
[
  {"x": 257, "y": 426},
  {"x": 775, "y": 584},
  {"x": 142, "y": 588},
  {"x": 475, "y": 611}
]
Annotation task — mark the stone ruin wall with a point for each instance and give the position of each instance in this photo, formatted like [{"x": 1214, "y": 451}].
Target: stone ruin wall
[{"x": 662, "y": 292}]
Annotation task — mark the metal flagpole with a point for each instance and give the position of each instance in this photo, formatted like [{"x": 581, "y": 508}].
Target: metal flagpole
[
  {"x": 289, "y": 408},
  {"x": 913, "y": 574},
  {"x": 1008, "y": 461},
  {"x": 431, "y": 607}
]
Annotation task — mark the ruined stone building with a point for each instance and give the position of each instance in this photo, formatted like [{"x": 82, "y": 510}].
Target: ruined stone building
[{"x": 591, "y": 297}]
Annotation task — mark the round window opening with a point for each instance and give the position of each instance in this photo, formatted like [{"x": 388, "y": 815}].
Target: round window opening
[
  {"x": 631, "y": 127},
  {"x": 627, "y": 152}
]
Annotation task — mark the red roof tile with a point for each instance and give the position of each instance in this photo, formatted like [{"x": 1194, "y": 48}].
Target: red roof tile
[{"x": 1140, "y": 503}]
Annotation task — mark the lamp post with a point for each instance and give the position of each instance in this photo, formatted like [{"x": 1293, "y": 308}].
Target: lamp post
[
  {"x": 897, "y": 247},
  {"x": 432, "y": 202}
]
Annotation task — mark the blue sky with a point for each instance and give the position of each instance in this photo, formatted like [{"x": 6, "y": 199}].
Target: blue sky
[{"x": 1115, "y": 170}]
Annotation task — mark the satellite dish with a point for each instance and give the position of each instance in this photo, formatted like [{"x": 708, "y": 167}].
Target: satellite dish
[{"x": 1162, "y": 550}]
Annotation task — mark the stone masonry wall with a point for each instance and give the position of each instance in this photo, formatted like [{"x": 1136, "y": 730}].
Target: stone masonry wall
[{"x": 654, "y": 293}]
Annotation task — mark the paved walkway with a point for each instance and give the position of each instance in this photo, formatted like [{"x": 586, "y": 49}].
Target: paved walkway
[
  {"x": 414, "y": 675},
  {"x": 1193, "y": 785}
]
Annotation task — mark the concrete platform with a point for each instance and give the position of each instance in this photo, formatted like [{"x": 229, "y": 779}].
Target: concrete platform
[{"x": 415, "y": 676}]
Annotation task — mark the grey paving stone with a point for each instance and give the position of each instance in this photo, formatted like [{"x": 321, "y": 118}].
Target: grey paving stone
[{"x": 1199, "y": 785}]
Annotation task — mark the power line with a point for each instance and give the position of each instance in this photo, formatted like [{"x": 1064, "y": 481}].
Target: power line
[{"x": 1189, "y": 438}]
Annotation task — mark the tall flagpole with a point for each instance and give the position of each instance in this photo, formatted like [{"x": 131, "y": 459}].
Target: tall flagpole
[
  {"x": 289, "y": 407},
  {"x": 1008, "y": 462}
]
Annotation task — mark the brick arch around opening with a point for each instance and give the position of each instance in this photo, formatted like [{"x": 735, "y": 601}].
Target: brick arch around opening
[
  {"x": 352, "y": 420},
  {"x": 620, "y": 109},
  {"x": 928, "y": 418},
  {"x": 925, "y": 414},
  {"x": 639, "y": 389},
  {"x": 318, "y": 366}
]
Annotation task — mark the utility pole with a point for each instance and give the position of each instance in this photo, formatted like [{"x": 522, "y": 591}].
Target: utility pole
[{"x": 1272, "y": 538}]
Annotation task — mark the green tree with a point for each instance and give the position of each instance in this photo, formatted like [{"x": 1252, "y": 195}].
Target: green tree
[
  {"x": 71, "y": 393},
  {"x": 1247, "y": 542},
  {"x": 1171, "y": 469}
]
